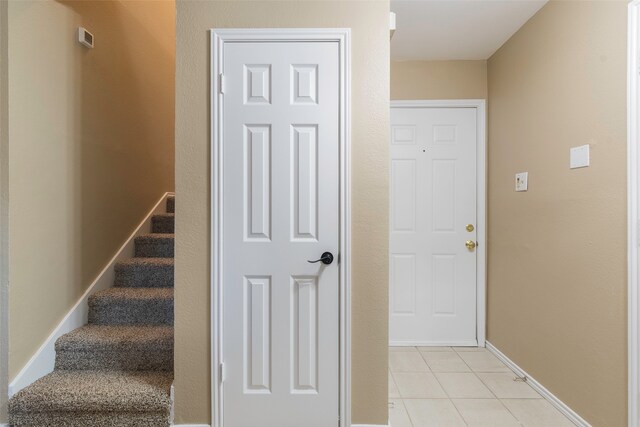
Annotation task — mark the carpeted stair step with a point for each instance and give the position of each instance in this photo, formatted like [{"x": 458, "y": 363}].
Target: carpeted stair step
[
  {"x": 94, "y": 398},
  {"x": 163, "y": 223},
  {"x": 154, "y": 246},
  {"x": 144, "y": 273},
  {"x": 124, "y": 348},
  {"x": 132, "y": 306},
  {"x": 171, "y": 204}
]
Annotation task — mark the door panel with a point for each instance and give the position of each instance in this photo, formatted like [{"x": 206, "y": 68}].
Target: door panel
[
  {"x": 403, "y": 194},
  {"x": 433, "y": 198},
  {"x": 281, "y": 208}
]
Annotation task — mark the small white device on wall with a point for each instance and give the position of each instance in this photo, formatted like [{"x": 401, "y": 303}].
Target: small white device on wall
[
  {"x": 522, "y": 181},
  {"x": 579, "y": 157},
  {"x": 85, "y": 37}
]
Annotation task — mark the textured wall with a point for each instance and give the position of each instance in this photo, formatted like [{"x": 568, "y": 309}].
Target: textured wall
[
  {"x": 4, "y": 213},
  {"x": 439, "y": 80},
  {"x": 557, "y": 253},
  {"x": 369, "y": 21},
  {"x": 91, "y": 147}
]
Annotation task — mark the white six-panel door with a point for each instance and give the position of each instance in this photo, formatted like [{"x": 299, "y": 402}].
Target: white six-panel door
[
  {"x": 432, "y": 213},
  {"x": 281, "y": 208}
]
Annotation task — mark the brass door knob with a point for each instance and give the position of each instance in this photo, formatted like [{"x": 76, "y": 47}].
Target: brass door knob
[
  {"x": 471, "y": 245},
  {"x": 470, "y": 228}
]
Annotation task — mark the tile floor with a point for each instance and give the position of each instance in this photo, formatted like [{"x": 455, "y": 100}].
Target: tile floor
[{"x": 462, "y": 386}]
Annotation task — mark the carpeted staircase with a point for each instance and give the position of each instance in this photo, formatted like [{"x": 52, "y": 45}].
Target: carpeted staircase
[{"x": 118, "y": 369}]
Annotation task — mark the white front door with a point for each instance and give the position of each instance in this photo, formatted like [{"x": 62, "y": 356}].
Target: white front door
[
  {"x": 281, "y": 209},
  {"x": 432, "y": 217}
]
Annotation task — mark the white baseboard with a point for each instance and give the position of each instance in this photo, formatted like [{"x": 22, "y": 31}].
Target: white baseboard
[
  {"x": 190, "y": 425},
  {"x": 172, "y": 398},
  {"x": 43, "y": 360},
  {"x": 559, "y": 404},
  {"x": 370, "y": 425}
]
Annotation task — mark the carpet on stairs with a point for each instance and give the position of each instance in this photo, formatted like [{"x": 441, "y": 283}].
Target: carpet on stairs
[{"x": 118, "y": 369}]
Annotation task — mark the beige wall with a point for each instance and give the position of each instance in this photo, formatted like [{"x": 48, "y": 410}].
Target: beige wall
[
  {"x": 439, "y": 80},
  {"x": 369, "y": 21},
  {"x": 91, "y": 147},
  {"x": 557, "y": 253},
  {"x": 4, "y": 212}
]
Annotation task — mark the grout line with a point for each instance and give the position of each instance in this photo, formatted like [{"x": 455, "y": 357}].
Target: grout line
[
  {"x": 447, "y": 352},
  {"x": 393, "y": 378},
  {"x": 442, "y": 387},
  {"x": 463, "y": 361},
  {"x": 421, "y": 356},
  {"x": 511, "y": 371},
  {"x": 425, "y": 361},
  {"x": 450, "y": 399},
  {"x": 432, "y": 398},
  {"x": 484, "y": 384},
  {"x": 428, "y": 398},
  {"x": 464, "y": 420},
  {"x": 509, "y": 410},
  {"x": 408, "y": 414},
  {"x": 406, "y": 411}
]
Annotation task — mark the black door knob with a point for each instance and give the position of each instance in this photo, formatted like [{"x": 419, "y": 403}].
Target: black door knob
[{"x": 326, "y": 258}]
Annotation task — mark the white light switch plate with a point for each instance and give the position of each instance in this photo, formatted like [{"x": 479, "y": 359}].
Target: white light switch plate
[
  {"x": 579, "y": 157},
  {"x": 522, "y": 181}
]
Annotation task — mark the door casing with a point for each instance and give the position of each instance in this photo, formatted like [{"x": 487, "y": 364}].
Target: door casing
[
  {"x": 218, "y": 38},
  {"x": 481, "y": 204}
]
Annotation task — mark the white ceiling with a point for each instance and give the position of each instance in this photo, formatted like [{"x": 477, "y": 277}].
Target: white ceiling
[{"x": 456, "y": 29}]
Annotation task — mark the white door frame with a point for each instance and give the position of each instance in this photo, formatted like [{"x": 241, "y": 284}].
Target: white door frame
[
  {"x": 220, "y": 37},
  {"x": 481, "y": 204},
  {"x": 633, "y": 218}
]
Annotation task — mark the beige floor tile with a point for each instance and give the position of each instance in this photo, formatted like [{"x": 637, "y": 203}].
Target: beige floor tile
[
  {"x": 485, "y": 413},
  {"x": 463, "y": 386},
  {"x": 435, "y": 348},
  {"x": 433, "y": 413},
  {"x": 393, "y": 389},
  {"x": 398, "y": 416},
  {"x": 402, "y": 349},
  {"x": 504, "y": 386},
  {"x": 418, "y": 385},
  {"x": 401, "y": 361},
  {"x": 443, "y": 361},
  {"x": 536, "y": 413},
  {"x": 483, "y": 361},
  {"x": 469, "y": 349}
]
